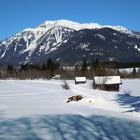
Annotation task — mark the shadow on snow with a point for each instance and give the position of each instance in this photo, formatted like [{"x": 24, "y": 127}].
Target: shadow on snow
[
  {"x": 73, "y": 127},
  {"x": 133, "y": 102}
]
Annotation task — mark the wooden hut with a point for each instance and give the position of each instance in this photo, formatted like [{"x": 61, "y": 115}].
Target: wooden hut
[
  {"x": 80, "y": 80},
  {"x": 109, "y": 83}
]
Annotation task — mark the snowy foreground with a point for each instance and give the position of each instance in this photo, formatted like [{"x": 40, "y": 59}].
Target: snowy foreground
[{"x": 37, "y": 110}]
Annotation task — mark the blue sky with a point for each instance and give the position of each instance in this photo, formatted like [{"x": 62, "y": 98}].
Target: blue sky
[{"x": 16, "y": 15}]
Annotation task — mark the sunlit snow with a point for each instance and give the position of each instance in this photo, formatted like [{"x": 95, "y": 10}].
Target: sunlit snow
[{"x": 37, "y": 109}]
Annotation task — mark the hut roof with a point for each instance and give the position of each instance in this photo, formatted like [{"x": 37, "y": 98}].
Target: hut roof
[
  {"x": 107, "y": 80},
  {"x": 79, "y": 79}
]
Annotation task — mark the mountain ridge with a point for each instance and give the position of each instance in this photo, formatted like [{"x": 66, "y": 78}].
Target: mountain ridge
[{"x": 33, "y": 44}]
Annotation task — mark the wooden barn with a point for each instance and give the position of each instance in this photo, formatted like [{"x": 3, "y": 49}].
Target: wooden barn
[
  {"x": 109, "y": 83},
  {"x": 80, "y": 80}
]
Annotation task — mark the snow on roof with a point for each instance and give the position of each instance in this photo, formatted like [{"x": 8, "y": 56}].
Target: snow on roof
[
  {"x": 57, "y": 76},
  {"x": 107, "y": 80},
  {"x": 80, "y": 79}
]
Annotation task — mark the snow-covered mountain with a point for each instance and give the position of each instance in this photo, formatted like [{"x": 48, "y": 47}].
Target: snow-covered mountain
[{"x": 62, "y": 39}]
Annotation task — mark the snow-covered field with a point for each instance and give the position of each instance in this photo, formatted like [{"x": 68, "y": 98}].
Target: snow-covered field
[{"x": 37, "y": 109}]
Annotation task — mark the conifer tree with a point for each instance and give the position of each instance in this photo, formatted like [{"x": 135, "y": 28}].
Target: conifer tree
[
  {"x": 84, "y": 65},
  {"x": 50, "y": 66}
]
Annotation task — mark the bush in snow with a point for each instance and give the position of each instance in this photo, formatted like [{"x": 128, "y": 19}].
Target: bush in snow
[{"x": 65, "y": 85}]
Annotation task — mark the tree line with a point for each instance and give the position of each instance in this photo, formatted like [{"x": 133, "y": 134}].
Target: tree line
[
  {"x": 30, "y": 71},
  {"x": 51, "y": 68}
]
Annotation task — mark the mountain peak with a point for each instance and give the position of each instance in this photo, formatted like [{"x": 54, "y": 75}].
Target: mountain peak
[
  {"x": 78, "y": 26},
  {"x": 70, "y": 24},
  {"x": 63, "y": 23}
]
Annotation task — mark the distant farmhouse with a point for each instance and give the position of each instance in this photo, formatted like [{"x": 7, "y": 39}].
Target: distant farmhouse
[
  {"x": 80, "y": 80},
  {"x": 109, "y": 83},
  {"x": 57, "y": 76}
]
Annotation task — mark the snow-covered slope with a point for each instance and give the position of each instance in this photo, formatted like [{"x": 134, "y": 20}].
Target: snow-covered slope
[
  {"x": 40, "y": 40},
  {"x": 79, "y": 26}
]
